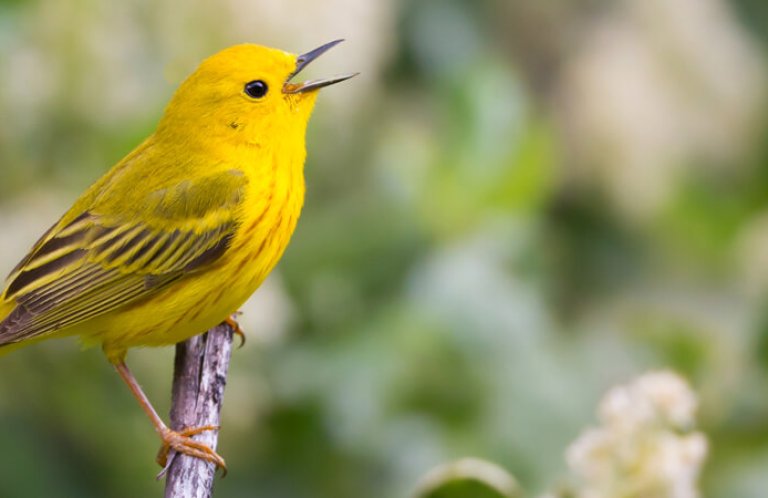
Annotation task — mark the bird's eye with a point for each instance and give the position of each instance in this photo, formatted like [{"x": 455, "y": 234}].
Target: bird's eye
[{"x": 256, "y": 89}]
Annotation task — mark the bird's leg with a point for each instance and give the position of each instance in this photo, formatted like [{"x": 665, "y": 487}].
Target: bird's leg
[
  {"x": 179, "y": 441},
  {"x": 232, "y": 322}
]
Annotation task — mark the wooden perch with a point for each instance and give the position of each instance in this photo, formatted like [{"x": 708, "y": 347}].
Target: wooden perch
[{"x": 199, "y": 377}]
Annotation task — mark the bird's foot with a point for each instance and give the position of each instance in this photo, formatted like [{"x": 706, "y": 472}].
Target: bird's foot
[
  {"x": 175, "y": 442},
  {"x": 232, "y": 322}
]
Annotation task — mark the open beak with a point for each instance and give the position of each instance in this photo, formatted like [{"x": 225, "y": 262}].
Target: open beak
[{"x": 303, "y": 61}]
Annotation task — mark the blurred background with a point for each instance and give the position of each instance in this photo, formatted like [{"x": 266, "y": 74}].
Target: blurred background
[{"x": 516, "y": 205}]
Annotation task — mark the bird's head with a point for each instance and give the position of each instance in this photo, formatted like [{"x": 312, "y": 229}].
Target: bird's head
[{"x": 247, "y": 93}]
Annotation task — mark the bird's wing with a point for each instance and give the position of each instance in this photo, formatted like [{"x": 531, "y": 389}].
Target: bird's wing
[{"x": 99, "y": 261}]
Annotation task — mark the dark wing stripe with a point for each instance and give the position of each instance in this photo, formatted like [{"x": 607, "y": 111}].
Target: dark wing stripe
[
  {"x": 28, "y": 258},
  {"x": 92, "y": 303},
  {"x": 27, "y": 277},
  {"x": 69, "y": 229},
  {"x": 150, "y": 243},
  {"x": 168, "y": 261},
  {"x": 47, "y": 297},
  {"x": 114, "y": 242},
  {"x": 55, "y": 244},
  {"x": 83, "y": 309},
  {"x": 123, "y": 251},
  {"x": 196, "y": 246},
  {"x": 79, "y": 223},
  {"x": 212, "y": 253},
  {"x": 166, "y": 248},
  {"x": 103, "y": 234},
  {"x": 89, "y": 301},
  {"x": 60, "y": 285}
]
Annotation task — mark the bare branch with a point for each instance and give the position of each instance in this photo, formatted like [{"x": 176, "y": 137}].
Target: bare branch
[{"x": 199, "y": 377}]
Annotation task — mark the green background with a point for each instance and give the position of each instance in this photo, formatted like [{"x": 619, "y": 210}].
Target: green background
[{"x": 516, "y": 205}]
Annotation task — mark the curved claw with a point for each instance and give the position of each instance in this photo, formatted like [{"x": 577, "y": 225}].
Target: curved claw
[
  {"x": 182, "y": 442},
  {"x": 232, "y": 322}
]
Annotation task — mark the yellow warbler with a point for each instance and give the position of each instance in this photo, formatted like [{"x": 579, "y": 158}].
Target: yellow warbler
[{"x": 178, "y": 234}]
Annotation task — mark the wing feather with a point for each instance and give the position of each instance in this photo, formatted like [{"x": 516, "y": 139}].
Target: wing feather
[{"x": 98, "y": 262}]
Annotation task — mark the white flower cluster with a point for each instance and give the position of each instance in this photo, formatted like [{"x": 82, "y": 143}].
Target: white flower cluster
[{"x": 645, "y": 446}]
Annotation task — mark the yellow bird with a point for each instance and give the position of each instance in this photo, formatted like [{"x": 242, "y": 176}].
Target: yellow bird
[{"x": 179, "y": 233}]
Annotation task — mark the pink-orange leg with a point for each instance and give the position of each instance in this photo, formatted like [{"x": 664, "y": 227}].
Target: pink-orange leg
[
  {"x": 180, "y": 441},
  {"x": 232, "y": 322}
]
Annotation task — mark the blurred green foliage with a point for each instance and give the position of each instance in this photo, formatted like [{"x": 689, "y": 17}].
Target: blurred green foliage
[{"x": 479, "y": 256}]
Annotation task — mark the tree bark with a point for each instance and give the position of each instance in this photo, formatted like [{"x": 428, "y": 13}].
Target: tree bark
[{"x": 199, "y": 377}]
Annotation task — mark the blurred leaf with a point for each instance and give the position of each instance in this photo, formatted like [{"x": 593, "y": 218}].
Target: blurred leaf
[{"x": 468, "y": 478}]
